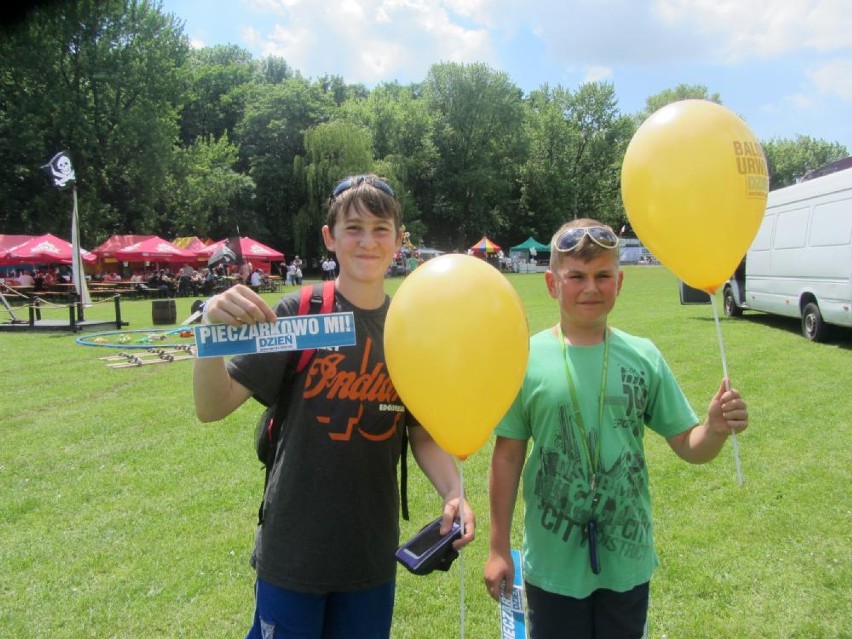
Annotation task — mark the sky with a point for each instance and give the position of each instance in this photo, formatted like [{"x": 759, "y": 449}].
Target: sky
[{"x": 784, "y": 66}]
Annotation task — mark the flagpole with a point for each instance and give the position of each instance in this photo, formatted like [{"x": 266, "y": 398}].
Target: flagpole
[{"x": 83, "y": 298}]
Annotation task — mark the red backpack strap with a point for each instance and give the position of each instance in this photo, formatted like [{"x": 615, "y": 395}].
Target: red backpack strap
[
  {"x": 309, "y": 300},
  {"x": 327, "y": 296},
  {"x": 305, "y": 299}
]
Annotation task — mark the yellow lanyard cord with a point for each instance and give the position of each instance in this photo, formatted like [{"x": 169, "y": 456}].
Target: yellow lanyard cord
[{"x": 594, "y": 466}]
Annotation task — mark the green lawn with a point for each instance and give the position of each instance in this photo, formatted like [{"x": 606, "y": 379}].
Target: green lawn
[{"x": 122, "y": 516}]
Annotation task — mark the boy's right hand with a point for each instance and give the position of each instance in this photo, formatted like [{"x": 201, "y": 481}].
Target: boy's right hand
[
  {"x": 236, "y": 306},
  {"x": 499, "y": 574}
]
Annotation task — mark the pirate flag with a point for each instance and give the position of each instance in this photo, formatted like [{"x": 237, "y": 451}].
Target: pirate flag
[
  {"x": 222, "y": 255},
  {"x": 60, "y": 171}
]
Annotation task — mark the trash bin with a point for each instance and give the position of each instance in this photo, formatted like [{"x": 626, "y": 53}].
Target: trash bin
[{"x": 163, "y": 311}]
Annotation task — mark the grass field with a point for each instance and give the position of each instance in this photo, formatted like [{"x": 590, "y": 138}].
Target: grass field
[{"x": 122, "y": 516}]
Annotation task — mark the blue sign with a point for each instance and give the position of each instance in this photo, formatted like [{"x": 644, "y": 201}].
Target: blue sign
[
  {"x": 287, "y": 334},
  {"x": 512, "y": 622}
]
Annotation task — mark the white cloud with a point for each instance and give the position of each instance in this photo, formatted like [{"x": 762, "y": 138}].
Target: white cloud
[
  {"x": 800, "y": 101},
  {"x": 372, "y": 40},
  {"x": 597, "y": 74},
  {"x": 270, "y": 6},
  {"x": 673, "y": 31},
  {"x": 834, "y": 78}
]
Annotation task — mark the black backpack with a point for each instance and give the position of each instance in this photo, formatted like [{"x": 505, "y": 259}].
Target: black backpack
[{"x": 316, "y": 298}]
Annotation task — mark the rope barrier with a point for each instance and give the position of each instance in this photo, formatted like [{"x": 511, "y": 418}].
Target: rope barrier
[{"x": 46, "y": 303}]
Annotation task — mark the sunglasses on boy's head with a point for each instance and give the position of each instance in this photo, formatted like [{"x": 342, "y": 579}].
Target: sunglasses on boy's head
[
  {"x": 571, "y": 238},
  {"x": 351, "y": 182}
]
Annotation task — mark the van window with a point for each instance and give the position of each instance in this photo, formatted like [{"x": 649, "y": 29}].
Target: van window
[
  {"x": 791, "y": 229},
  {"x": 832, "y": 224},
  {"x": 763, "y": 239}
]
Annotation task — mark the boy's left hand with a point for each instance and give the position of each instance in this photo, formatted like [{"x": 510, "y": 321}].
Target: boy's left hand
[{"x": 728, "y": 411}]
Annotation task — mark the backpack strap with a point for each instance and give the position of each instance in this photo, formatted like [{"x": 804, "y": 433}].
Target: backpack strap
[
  {"x": 316, "y": 298},
  {"x": 313, "y": 298}
]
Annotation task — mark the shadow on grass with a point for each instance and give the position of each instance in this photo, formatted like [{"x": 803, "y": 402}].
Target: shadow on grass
[{"x": 838, "y": 336}]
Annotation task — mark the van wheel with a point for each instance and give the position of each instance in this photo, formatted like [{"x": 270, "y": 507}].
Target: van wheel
[
  {"x": 730, "y": 305},
  {"x": 812, "y": 325}
]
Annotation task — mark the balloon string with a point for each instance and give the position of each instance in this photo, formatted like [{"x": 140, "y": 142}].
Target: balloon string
[
  {"x": 734, "y": 442},
  {"x": 461, "y": 551}
]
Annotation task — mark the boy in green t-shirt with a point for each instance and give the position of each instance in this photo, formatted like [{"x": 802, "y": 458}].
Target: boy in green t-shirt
[{"x": 589, "y": 392}]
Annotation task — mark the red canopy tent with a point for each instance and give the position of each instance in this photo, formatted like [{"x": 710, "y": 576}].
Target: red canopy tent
[
  {"x": 10, "y": 241},
  {"x": 252, "y": 250},
  {"x": 44, "y": 249},
  {"x": 106, "y": 251},
  {"x": 154, "y": 249}
]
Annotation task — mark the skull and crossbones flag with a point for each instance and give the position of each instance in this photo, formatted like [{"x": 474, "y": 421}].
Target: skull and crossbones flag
[{"x": 60, "y": 170}]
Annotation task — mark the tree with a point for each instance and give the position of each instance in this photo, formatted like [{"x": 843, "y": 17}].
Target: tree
[
  {"x": 478, "y": 115},
  {"x": 332, "y": 150},
  {"x": 576, "y": 144},
  {"x": 271, "y": 136},
  {"x": 401, "y": 127},
  {"x": 206, "y": 196},
  {"x": 217, "y": 82},
  {"x": 99, "y": 78},
  {"x": 789, "y": 160},
  {"x": 274, "y": 70},
  {"x": 339, "y": 91},
  {"x": 680, "y": 92}
]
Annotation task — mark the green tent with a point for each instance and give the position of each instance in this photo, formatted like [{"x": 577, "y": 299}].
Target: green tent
[{"x": 529, "y": 243}]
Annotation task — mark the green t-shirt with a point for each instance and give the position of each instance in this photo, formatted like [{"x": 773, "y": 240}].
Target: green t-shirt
[{"x": 640, "y": 390}]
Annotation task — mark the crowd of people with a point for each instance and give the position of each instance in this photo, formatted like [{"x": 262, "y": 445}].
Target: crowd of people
[
  {"x": 39, "y": 279},
  {"x": 187, "y": 280}
]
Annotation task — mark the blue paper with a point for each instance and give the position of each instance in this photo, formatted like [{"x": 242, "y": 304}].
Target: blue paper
[
  {"x": 287, "y": 334},
  {"x": 512, "y": 622}
]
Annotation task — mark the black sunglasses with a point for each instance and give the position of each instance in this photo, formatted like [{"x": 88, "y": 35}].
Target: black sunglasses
[
  {"x": 571, "y": 238},
  {"x": 355, "y": 180}
]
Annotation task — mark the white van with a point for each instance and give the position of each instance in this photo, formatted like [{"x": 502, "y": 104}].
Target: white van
[{"x": 800, "y": 262}]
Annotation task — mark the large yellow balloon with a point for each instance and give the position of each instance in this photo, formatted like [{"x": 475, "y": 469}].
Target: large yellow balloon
[
  {"x": 456, "y": 343},
  {"x": 694, "y": 183}
]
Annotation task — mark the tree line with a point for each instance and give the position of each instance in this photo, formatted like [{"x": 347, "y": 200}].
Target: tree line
[{"x": 175, "y": 141}]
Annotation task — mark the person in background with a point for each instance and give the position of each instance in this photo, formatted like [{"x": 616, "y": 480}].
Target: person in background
[
  {"x": 25, "y": 279},
  {"x": 589, "y": 393},
  {"x": 255, "y": 280},
  {"x": 324, "y": 553},
  {"x": 39, "y": 283},
  {"x": 412, "y": 263},
  {"x": 296, "y": 269},
  {"x": 244, "y": 272}
]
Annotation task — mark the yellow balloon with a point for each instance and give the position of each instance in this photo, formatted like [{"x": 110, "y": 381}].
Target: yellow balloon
[
  {"x": 694, "y": 183},
  {"x": 456, "y": 344}
]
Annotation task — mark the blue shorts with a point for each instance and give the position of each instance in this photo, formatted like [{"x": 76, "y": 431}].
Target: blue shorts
[{"x": 359, "y": 614}]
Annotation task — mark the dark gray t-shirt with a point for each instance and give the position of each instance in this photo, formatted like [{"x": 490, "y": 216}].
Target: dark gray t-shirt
[{"x": 331, "y": 520}]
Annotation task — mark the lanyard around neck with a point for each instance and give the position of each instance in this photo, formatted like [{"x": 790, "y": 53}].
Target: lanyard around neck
[{"x": 594, "y": 464}]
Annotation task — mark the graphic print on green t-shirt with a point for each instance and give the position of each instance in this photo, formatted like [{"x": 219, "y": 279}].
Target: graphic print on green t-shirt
[{"x": 563, "y": 486}]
